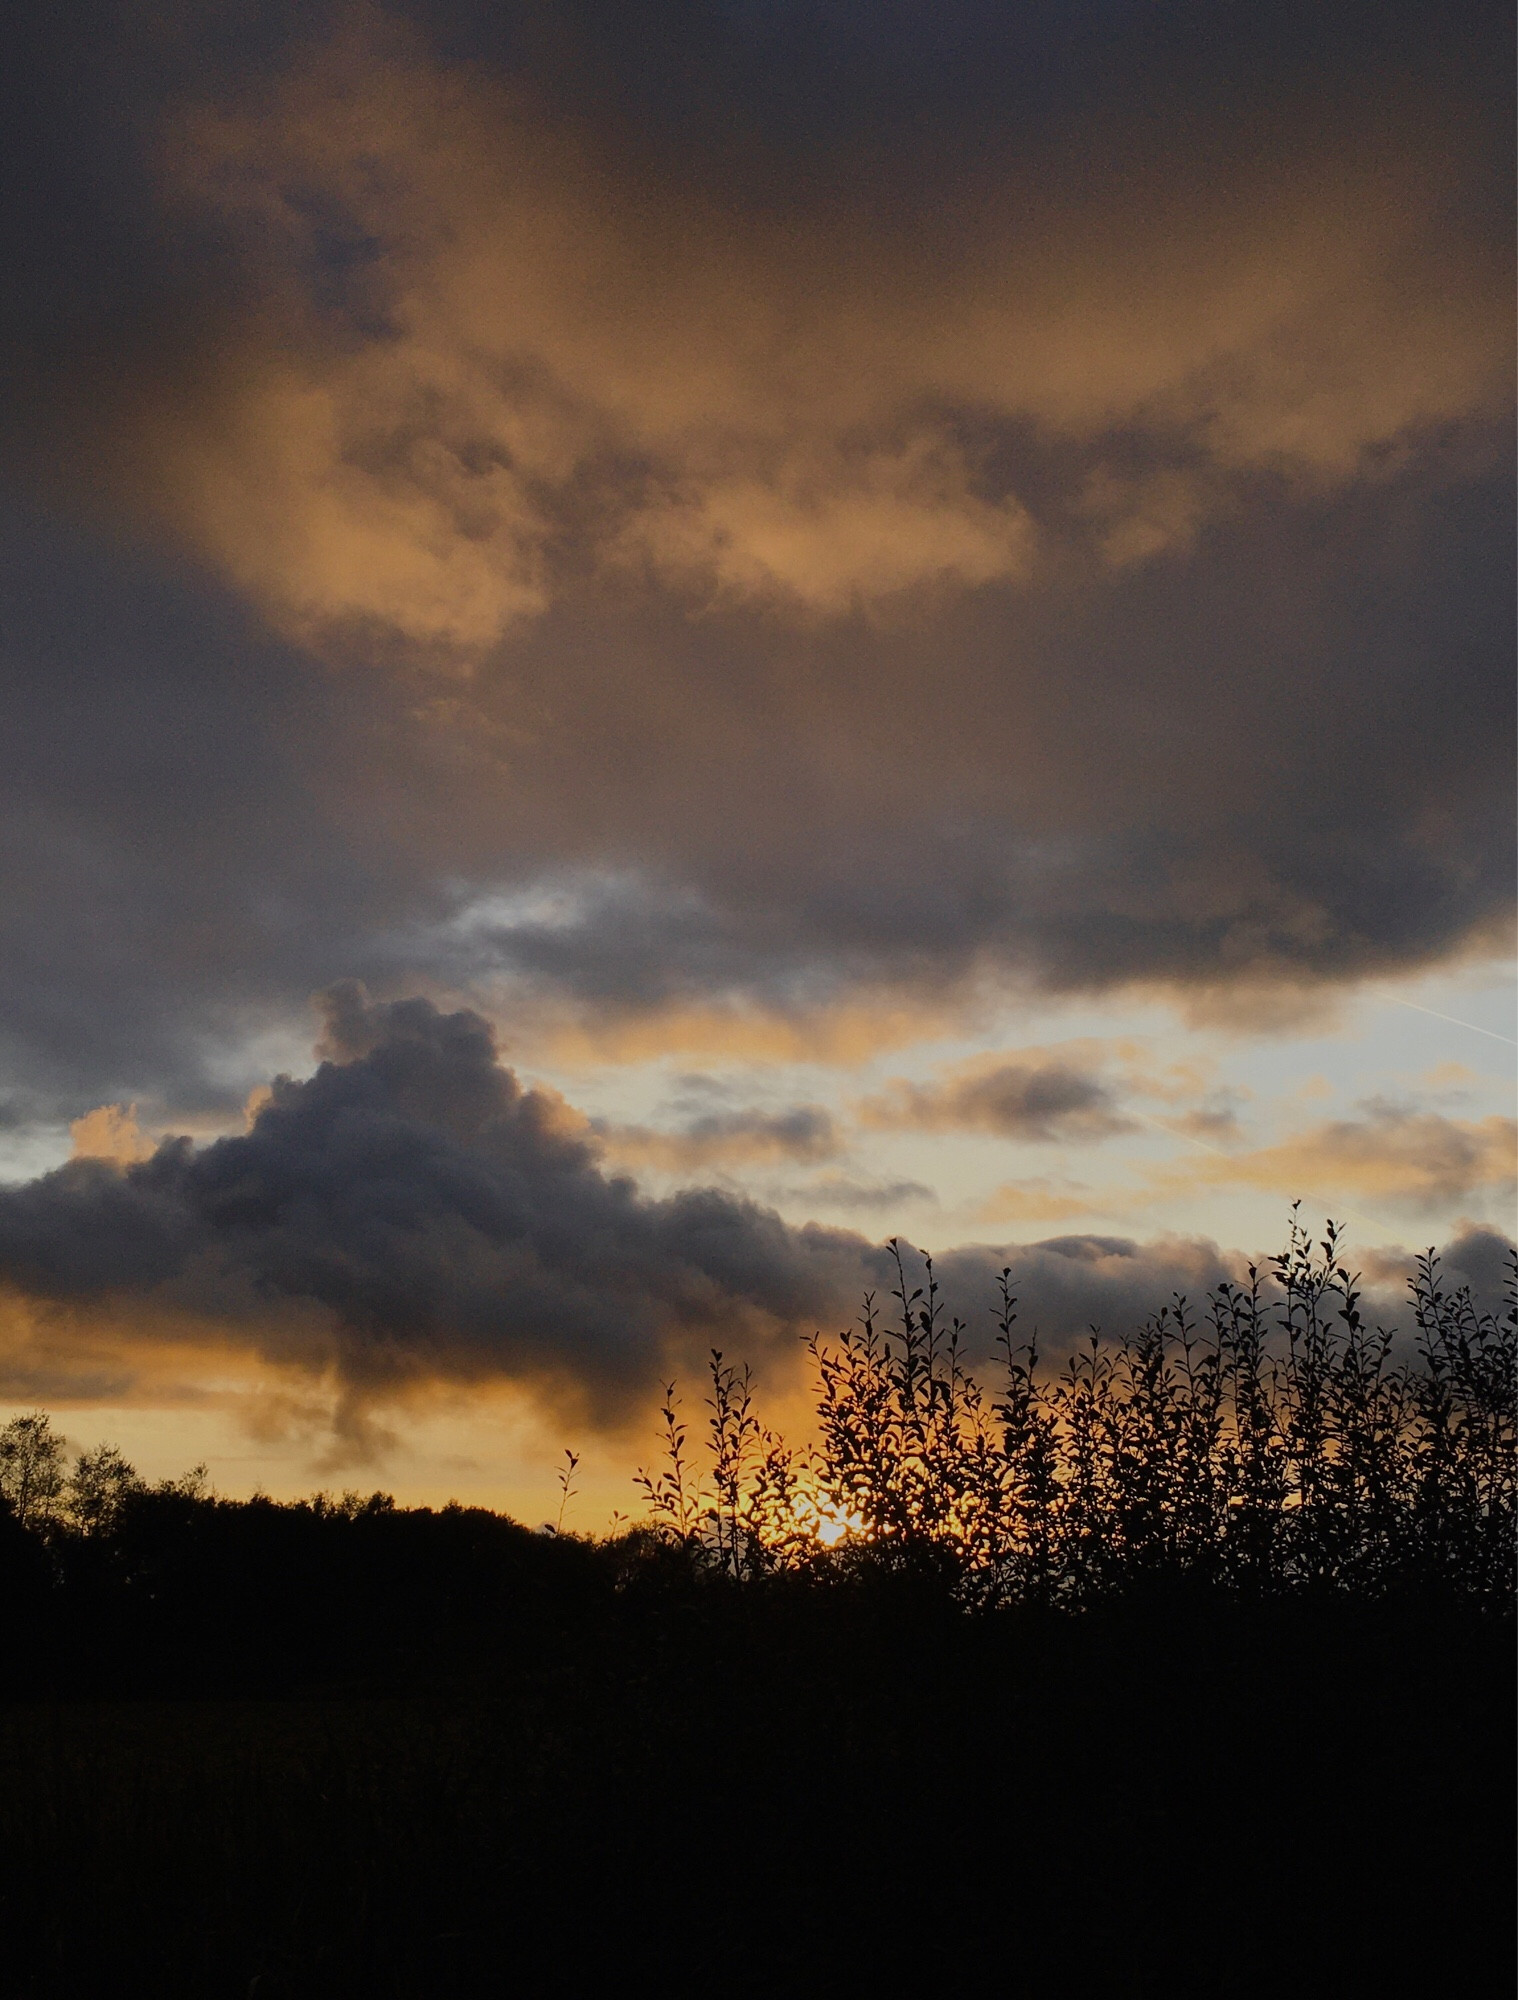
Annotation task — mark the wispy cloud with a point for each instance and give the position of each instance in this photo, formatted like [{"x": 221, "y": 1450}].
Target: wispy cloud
[
  {"x": 1410, "y": 1159},
  {"x": 717, "y": 1138},
  {"x": 1041, "y": 1100}
]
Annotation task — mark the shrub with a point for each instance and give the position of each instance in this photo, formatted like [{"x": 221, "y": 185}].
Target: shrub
[{"x": 1276, "y": 1445}]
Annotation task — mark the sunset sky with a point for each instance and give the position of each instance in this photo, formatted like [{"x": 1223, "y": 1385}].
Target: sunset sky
[{"x": 763, "y": 623}]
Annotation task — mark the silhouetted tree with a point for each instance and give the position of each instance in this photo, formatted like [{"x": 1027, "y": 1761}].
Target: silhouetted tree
[
  {"x": 32, "y": 1474},
  {"x": 98, "y": 1488}
]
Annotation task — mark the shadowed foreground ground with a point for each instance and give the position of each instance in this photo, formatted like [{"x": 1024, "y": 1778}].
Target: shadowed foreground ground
[{"x": 438, "y": 1756}]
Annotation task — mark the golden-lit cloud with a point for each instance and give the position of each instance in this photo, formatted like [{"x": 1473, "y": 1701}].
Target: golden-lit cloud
[
  {"x": 1449, "y": 1075},
  {"x": 1409, "y": 1159},
  {"x": 110, "y": 1132},
  {"x": 841, "y": 531},
  {"x": 699, "y": 570},
  {"x": 844, "y": 1033},
  {"x": 748, "y": 556},
  {"x": 543, "y": 351}
]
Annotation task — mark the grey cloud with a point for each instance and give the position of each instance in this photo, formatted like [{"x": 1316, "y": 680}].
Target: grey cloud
[
  {"x": 712, "y": 1138},
  {"x": 1338, "y": 667},
  {"x": 1481, "y": 1257},
  {"x": 446, "y": 1221},
  {"x": 1477, "y": 1255},
  {"x": 177, "y": 869},
  {"x": 199, "y": 828},
  {"x": 850, "y": 1194},
  {"x": 1042, "y": 1101},
  {"x": 1068, "y": 1285}
]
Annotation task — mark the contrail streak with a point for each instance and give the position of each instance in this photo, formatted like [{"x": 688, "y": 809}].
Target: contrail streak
[{"x": 1453, "y": 1019}]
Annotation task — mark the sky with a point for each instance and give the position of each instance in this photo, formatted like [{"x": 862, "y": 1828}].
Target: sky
[{"x": 646, "y": 646}]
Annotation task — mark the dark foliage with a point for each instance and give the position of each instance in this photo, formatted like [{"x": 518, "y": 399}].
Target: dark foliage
[{"x": 1273, "y": 1446}]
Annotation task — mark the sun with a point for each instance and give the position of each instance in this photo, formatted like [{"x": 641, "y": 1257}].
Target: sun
[{"x": 833, "y": 1525}]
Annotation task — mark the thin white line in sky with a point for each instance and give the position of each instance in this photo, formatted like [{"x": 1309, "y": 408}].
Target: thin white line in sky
[
  {"x": 1453, "y": 1019},
  {"x": 1171, "y": 1132}
]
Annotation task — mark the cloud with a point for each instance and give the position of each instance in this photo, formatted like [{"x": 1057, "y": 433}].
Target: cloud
[
  {"x": 411, "y": 1212},
  {"x": 1068, "y": 1285},
  {"x": 498, "y": 333},
  {"x": 715, "y": 1138},
  {"x": 1038, "y": 1199},
  {"x": 1041, "y": 1100},
  {"x": 843, "y": 1192},
  {"x": 849, "y": 1193},
  {"x": 748, "y": 527},
  {"x": 1213, "y": 1125},
  {"x": 1410, "y": 1159},
  {"x": 439, "y": 1217},
  {"x": 1481, "y": 1257},
  {"x": 1395, "y": 1156},
  {"x": 834, "y": 530},
  {"x": 110, "y": 1132}
]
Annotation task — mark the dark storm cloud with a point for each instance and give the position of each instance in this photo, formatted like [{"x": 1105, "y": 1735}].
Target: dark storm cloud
[
  {"x": 835, "y": 497},
  {"x": 446, "y": 1221}
]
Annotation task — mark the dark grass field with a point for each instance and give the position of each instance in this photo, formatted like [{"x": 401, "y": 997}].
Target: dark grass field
[{"x": 693, "y": 1789}]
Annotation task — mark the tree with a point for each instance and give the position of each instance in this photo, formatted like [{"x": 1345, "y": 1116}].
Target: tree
[
  {"x": 31, "y": 1468},
  {"x": 100, "y": 1482}
]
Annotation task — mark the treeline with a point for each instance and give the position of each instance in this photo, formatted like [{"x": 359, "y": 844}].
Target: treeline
[{"x": 172, "y": 1591}]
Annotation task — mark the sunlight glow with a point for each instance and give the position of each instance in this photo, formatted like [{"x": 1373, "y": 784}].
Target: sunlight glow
[{"x": 831, "y": 1524}]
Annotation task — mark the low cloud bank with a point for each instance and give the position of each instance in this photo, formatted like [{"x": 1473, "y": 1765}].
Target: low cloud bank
[{"x": 411, "y": 1212}]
